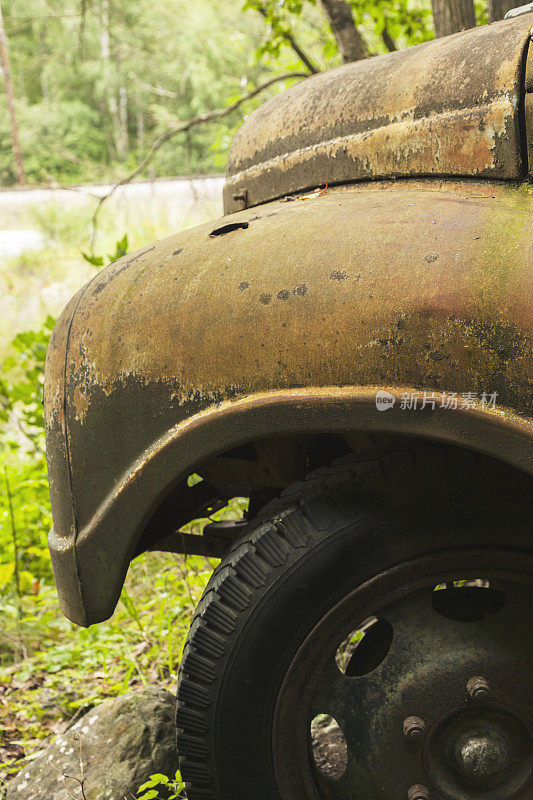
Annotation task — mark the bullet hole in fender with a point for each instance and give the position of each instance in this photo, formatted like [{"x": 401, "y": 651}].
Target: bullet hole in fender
[{"x": 232, "y": 226}]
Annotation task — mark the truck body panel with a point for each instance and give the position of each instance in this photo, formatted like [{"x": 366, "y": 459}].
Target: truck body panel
[{"x": 285, "y": 318}]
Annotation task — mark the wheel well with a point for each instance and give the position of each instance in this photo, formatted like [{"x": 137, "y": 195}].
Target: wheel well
[{"x": 262, "y": 468}]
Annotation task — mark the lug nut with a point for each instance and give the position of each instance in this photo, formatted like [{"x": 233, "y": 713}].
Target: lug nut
[
  {"x": 478, "y": 688},
  {"x": 418, "y": 792},
  {"x": 414, "y": 728}
]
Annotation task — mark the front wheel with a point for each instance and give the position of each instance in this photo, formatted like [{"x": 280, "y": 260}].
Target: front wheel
[{"x": 351, "y": 647}]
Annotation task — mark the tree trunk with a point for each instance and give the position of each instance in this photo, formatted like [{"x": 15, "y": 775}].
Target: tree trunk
[
  {"x": 4, "y": 61},
  {"x": 349, "y": 40},
  {"x": 499, "y": 8},
  {"x": 451, "y": 16},
  {"x": 113, "y": 103},
  {"x": 123, "y": 116},
  {"x": 140, "y": 127}
]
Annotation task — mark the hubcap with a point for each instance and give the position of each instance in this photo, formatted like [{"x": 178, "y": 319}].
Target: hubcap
[
  {"x": 482, "y": 754},
  {"x": 426, "y": 683}
]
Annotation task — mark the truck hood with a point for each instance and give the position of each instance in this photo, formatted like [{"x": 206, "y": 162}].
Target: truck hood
[{"x": 451, "y": 107}]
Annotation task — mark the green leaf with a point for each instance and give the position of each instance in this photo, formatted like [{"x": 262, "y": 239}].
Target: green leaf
[
  {"x": 96, "y": 261},
  {"x": 160, "y": 778},
  {"x": 121, "y": 248}
]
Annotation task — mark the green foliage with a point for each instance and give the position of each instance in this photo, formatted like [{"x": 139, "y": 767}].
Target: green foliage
[
  {"x": 21, "y": 389},
  {"x": 121, "y": 248},
  {"x": 42, "y": 654},
  {"x": 407, "y": 22},
  {"x": 24, "y": 505},
  {"x": 173, "y": 788},
  {"x": 94, "y": 90},
  {"x": 58, "y": 140}
]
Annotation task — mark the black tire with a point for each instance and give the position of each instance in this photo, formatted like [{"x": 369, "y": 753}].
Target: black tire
[{"x": 321, "y": 539}]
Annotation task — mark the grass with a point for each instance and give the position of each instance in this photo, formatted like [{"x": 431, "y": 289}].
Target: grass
[{"x": 54, "y": 671}]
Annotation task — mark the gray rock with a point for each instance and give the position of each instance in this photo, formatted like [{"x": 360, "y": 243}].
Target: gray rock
[{"x": 123, "y": 741}]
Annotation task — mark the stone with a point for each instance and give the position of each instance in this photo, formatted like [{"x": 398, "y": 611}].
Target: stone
[{"x": 122, "y": 742}]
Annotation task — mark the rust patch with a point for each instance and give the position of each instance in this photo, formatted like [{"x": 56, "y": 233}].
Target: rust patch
[
  {"x": 80, "y": 403},
  {"x": 478, "y": 245},
  {"x": 339, "y": 275}
]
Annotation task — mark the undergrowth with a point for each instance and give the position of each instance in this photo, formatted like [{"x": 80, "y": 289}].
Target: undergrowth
[{"x": 52, "y": 672}]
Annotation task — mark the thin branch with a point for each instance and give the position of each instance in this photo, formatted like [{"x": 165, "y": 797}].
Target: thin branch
[
  {"x": 79, "y": 781},
  {"x": 158, "y": 90},
  {"x": 14, "y": 537},
  {"x": 71, "y": 778},
  {"x": 289, "y": 38},
  {"x": 209, "y": 116}
]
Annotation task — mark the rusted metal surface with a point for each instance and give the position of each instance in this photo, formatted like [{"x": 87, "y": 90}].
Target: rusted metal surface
[
  {"x": 449, "y": 107},
  {"x": 288, "y": 323}
]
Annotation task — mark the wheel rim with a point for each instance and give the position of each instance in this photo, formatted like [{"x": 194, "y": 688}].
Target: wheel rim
[{"x": 435, "y": 702}]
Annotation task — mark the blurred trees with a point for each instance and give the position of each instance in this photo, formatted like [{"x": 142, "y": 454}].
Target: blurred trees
[
  {"x": 96, "y": 80},
  {"x": 10, "y": 101}
]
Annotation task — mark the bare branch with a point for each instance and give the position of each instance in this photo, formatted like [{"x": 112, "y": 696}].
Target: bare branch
[
  {"x": 79, "y": 781},
  {"x": 351, "y": 44},
  {"x": 289, "y": 38},
  {"x": 209, "y": 116},
  {"x": 158, "y": 90}
]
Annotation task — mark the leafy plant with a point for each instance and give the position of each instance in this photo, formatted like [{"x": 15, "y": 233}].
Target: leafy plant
[
  {"x": 24, "y": 505},
  {"x": 21, "y": 390},
  {"x": 174, "y": 788},
  {"x": 41, "y": 652},
  {"x": 121, "y": 248}
]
